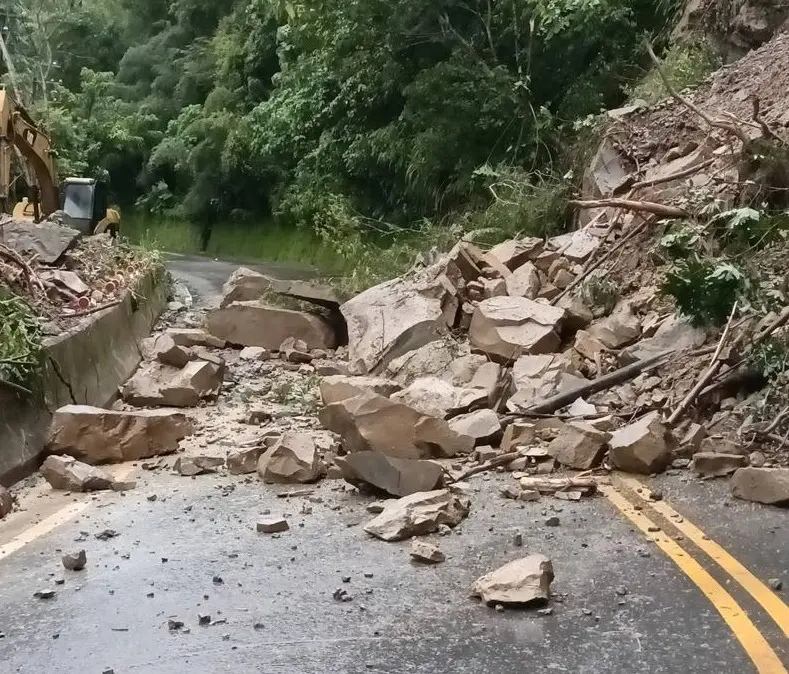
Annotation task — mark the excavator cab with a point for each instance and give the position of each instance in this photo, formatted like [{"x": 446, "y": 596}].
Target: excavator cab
[{"x": 84, "y": 205}]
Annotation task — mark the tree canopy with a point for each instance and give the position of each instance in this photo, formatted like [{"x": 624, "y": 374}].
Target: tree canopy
[{"x": 318, "y": 113}]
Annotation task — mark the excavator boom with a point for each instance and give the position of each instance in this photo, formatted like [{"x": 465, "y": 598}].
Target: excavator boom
[{"x": 17, "y": 130}]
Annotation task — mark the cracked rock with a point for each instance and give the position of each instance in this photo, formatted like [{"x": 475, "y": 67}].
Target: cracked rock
[
  {"x": 293, "y": 458},
  {"x": 643, "y": 446},
  {"x": 398, "y": 477},
  {"x": 762, "y": 485},
  {"x": 244, "y": 461},
  {"x": 427, "y": 553},
  {"x": 65, "y": 472},
  {"x": 713, "y": 464},
  {"x": 522, "y": 582},
  {"x": 418, "y": 514}
]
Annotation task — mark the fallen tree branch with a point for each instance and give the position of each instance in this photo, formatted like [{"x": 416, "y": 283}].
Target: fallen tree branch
[
  {"x": 15, "y": 387},
  {"x": 596, "y": 385},
  {"x": 550, "y": 485},
  {"x": 585, "y": 273},
  {"x": 495, "y": 462},
  {"x": 632, "y": 205},
  {"x": 93, "y": 310},
  {"x": 713, "y": 368},
  {"x": 672, "y": 176}
]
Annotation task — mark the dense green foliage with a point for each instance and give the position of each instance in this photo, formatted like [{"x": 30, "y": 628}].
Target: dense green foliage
[{"x": 342, "y": 116}]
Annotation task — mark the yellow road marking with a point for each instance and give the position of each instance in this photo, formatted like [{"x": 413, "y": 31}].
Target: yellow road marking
[
  {"x": 768, "y": 600},
  {"x": 57, "y": 518},
  {"x": 755, "y": 645}
]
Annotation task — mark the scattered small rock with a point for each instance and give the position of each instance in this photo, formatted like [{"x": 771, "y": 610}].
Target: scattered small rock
[
  {"x": 75, "y": 561},
  {"x": 552, "y": 522},
  {"x": 272, "y": 526},
  {"x": 427, "y": 553},
  {"x": 776, "y": 584}
]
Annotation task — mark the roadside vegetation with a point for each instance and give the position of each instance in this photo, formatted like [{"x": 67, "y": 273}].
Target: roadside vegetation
[{"x": 351, "y": 136}]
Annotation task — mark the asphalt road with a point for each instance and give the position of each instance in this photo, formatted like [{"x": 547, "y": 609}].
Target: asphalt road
[{"x": 626, "y": 597}]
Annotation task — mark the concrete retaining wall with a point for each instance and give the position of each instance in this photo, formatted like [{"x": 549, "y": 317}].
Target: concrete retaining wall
[{"x": 85, "y": 365}]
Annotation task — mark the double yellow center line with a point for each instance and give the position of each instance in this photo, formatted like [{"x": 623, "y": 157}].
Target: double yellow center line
[{"x": 753, "y": 642}]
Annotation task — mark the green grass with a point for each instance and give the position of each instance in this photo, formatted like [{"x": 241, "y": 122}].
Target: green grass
[{"x": 235, "y": 241}]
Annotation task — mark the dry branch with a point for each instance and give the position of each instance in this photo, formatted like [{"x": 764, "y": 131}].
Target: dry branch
[
  {"x": 678, "y": 175},
  {"x": 495, "y": 462},
  {"x": 632, "y": 205}
]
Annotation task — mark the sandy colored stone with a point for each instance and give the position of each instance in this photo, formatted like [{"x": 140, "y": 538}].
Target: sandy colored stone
[
  {"x": 762, "y": 485},
  {"x": 159, "y": 385},
  {"x": 714, "y": 464},
  {"x": 482, "y": 425},
  {"x": 243, "y": 461},
  {"x": 6, "y": 501},
  {"x": 369, "y": 422},
  {"x": 579, "y": 446},
  {"x": 258, "y": 353},
  {"x": 244, "y": 284},
  {"x": 397, "y": 477},
  {"x": 341, "y": 387},
  {"x": 516, "y": 252},
  {"x": 189, "y": 337},
  {"x": 189, "y": 466},
  {"x": 438, "y": 398},
  {"x": 507, "y": 327},
  {"x": 418, "y": 514},
  {"x": 74, "y": 561},
  {"x": 165, "y": 350},
  {"x": 432, "y": 359},
  {"x": 523, "y": 282},
  {"x": 520, "y": 582},
  {"x": 643, "y": 446},
  {"x": 96, "y": 435},
  {"x": 426, "y": 553},
  {"x": 619, "y": 329},
  {"x": 255, "y": 323},
  {"x": 272, "y": 525},
  {"x": 293, "y": 458},
  {"x": 535, "y": 378},
  {"x": 65, "y": 472}
]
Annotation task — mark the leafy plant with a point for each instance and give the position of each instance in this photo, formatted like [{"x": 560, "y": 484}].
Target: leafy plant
[
  {"x": 771, "y": 358},
  {"x": 599, "y": 291},
  {"x": 705, "y": 291},
  {"x": 20, "y": 339}
]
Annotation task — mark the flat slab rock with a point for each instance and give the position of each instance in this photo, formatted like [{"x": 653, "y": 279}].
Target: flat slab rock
[
  {"x": 418, "y": 514},
  {"x": 46, "y": 240},
  {"x": 338, "y": 387},
  {"x": 438, "y": 398},
  {"x": 762, "y": 485},
  {"x": 255, "y": 323},
  {"x": 65, "y": 472},
  {"x": 96, "y": 435},
  {"x": 158, "y": 385},
  {"x": 522, "y": 582},
  {"x": 397, "y": 477}
]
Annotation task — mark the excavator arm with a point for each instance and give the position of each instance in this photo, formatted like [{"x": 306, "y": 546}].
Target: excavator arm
[{"x": 18, "y": 130}]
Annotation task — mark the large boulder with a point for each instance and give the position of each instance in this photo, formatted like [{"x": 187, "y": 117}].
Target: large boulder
[
  {"x": 576, "y": 246},
  {"x": 189, "y": 337},
  {"x": 340, "y": 387},
  {"x": 370, "y": 422},
  {"x": 393, "y": 318},
  {"x": 46, "y": 241},
  {"x": 579, "y": 445},
  {"x": 643, "y": 446},
  {"x": 65, "y": 472},
  {"x": 159, "y": 385},
  {"x": 505, "y": 328},
  {"x": 397, "y": 477},
  {"x": 165, "y": 350},
  {"x": 434, "y": 359},
  {"x": 677, "y": 335},
  {"x": 293, "y": 458},
  {"x": 762, "y": 485},
  {"x": 521, "y": 582},
  {"x": 243, "y": 461},
  {"x": 244, "y": 285},
  {"x": 524, "y": 282},
  {"x": 619, "y": 329},
  {"x": 418, "y": 514},
  {"x": 714, "y": 464},
  {"x": 307, "y": 291},
  {"x": 96, "y": 435},
  {"x": 255, "y": 323},
  {"x": 438, "y": 398}
]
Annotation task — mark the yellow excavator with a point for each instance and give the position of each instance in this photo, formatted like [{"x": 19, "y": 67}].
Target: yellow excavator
[{"x": 82, "y": 201}]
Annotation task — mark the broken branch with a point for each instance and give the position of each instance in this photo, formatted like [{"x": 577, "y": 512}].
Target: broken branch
[
  {"x": 495, "y": 462},
  {"x": 600, "y": 384},
  {"x": 673, "y": 176},
  {"x": 714, "y": 366},
  {"x": 632, "y": 205}
]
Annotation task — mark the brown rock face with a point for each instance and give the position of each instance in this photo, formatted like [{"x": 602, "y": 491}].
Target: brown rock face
[
  {"x": 6, "y": 502},
  {"x": 417, "y": 515},
  {"x": 617, "y": 330},
  {"x": 189, "y": 466},
  {"x": 65, "y": 472},
  {"x": 516, "y": 252},
  {"x": 426, "y": 553},
  {"x": 254, "y": 323},
  {"x": 369, "y": 422},
  {"x": 762, "y": 485},
  {"x": 393, "y": 318},
  {"x": 243, "y": 461},
  {"x": 194, "y": 337},
  {"x": 643, "y": 446},
  {"x": 505, "y": 328},
  {"x": 482, "y": 425},
  {"x": 397, "y": 477},
  {"x": 524, "y": 282},
  {"x": 579, "y": 446},
  {"x": 96, "y": 435},
  {"x": 166, "y": 351},
  {"x": 293, "y": 458},
  {"x": 713, "y": 464},
  {"x": 157, "y": 385},
  {"x": 438, "y": 398},
  {"x": 340, "y": 387},
  {"x": 244, "y": 285},
  {"x": 521, "y": 582},
  {"x": 537, "y": 377}
]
